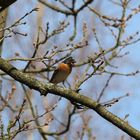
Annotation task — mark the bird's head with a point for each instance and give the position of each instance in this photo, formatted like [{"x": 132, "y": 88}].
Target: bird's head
[{"x": 70, "y": 61}]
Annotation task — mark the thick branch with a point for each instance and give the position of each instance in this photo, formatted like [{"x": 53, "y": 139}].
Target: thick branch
[
  {"x": 5, "y": 3},
  {"x": 67, "y": 12},
  {"x": 68, "y": 94}
]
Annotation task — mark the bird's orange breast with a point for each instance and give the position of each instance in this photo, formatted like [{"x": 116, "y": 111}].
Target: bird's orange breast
[{"x": 65, "y": 68}]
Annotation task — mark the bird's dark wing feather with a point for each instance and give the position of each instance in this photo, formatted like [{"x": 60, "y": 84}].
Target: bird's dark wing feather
[{"x": 53, "y": 76}]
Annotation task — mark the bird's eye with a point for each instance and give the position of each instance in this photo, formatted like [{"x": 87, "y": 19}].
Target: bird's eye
[{"x": 72, "y": 63}]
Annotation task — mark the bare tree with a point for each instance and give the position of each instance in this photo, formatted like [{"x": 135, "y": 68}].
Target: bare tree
[{"x": 103, "y": 38}]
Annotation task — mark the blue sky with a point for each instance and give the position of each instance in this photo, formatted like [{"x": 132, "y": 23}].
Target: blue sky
[{"x": 118, "y": 86}]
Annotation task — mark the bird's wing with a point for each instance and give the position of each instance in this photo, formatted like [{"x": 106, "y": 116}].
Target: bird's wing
[{"x": 53, "y": 76}]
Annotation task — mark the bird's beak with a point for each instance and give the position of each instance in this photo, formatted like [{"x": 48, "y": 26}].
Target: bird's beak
[{"x": 73, "y": 62}]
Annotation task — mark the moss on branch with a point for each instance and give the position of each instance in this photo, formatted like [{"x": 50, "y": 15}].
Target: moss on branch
[{"x": 44, "y": 88}]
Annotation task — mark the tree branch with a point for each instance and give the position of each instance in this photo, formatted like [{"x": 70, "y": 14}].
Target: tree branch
[
  {"x": 43, "y": 88},
  {"x": 5, "y": 3}
]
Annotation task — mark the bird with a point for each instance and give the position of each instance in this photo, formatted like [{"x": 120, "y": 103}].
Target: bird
[{"x": 62, "y": 71}]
